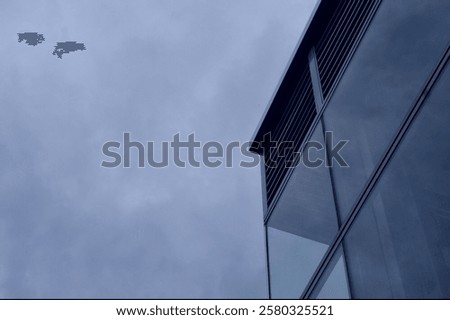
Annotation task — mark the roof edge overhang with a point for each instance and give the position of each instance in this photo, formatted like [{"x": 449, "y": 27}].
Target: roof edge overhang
[{"x": 315, "y": 27}]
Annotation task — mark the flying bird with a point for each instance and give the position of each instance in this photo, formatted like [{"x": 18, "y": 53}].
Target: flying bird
[
  {"x": 31, "y": 38},
  {"x": 67, "y": 47}
]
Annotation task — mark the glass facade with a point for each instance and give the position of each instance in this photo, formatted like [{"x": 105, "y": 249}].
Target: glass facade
[
  {"x": 379, "y": 228},
  {"x": 398, "y": 52},
  {"x": 300, "y": 229},
  {"x": 402, "y": 233}
]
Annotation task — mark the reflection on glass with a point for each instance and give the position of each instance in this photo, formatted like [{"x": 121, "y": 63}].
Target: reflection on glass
[
  {"x": 333, "y": 283},
  {"x": 293, "y": 260},
  {"x": 399, "y": 244},
  {"x": 397, "y": 54},
  {"x": 302, "y": 226}
]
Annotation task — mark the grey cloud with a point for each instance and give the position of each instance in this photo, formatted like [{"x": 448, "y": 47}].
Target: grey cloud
[{"x": 71, "y": 229}]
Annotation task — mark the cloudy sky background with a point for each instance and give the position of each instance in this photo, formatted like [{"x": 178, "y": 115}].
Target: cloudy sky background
[{"x": 72, "y": 229}]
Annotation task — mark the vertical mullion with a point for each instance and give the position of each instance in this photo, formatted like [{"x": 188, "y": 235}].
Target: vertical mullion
[{"x": 268, "y": 262}]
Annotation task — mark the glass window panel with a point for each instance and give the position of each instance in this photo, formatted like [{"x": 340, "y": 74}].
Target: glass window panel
[
  {"x": 399, "y": 244},
  {"x": 301, "y": 227},
  {"x": 333, "y": 283},
  {"x": 398, "y": 52},
  {"x": 293, "y": 259}
]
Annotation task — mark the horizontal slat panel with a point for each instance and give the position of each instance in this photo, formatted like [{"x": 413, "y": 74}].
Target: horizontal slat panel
[
  {"x": 294, "y": 123},
  {"x": 340, "y": 36}
]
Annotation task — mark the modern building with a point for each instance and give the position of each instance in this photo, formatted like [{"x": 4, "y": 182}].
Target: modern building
[{"x": 375, "y": 74}]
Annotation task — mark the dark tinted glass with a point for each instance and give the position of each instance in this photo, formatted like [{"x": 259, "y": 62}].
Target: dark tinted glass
[
  {"x": 399, "y": 51},
  {"x": 399, "y": 244}
]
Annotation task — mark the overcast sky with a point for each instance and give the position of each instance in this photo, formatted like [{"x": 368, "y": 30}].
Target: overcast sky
[{"x": 72, "y": 229}]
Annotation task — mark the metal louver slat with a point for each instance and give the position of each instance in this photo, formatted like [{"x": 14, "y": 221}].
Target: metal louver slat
[{"x": 340, "y": 36}]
